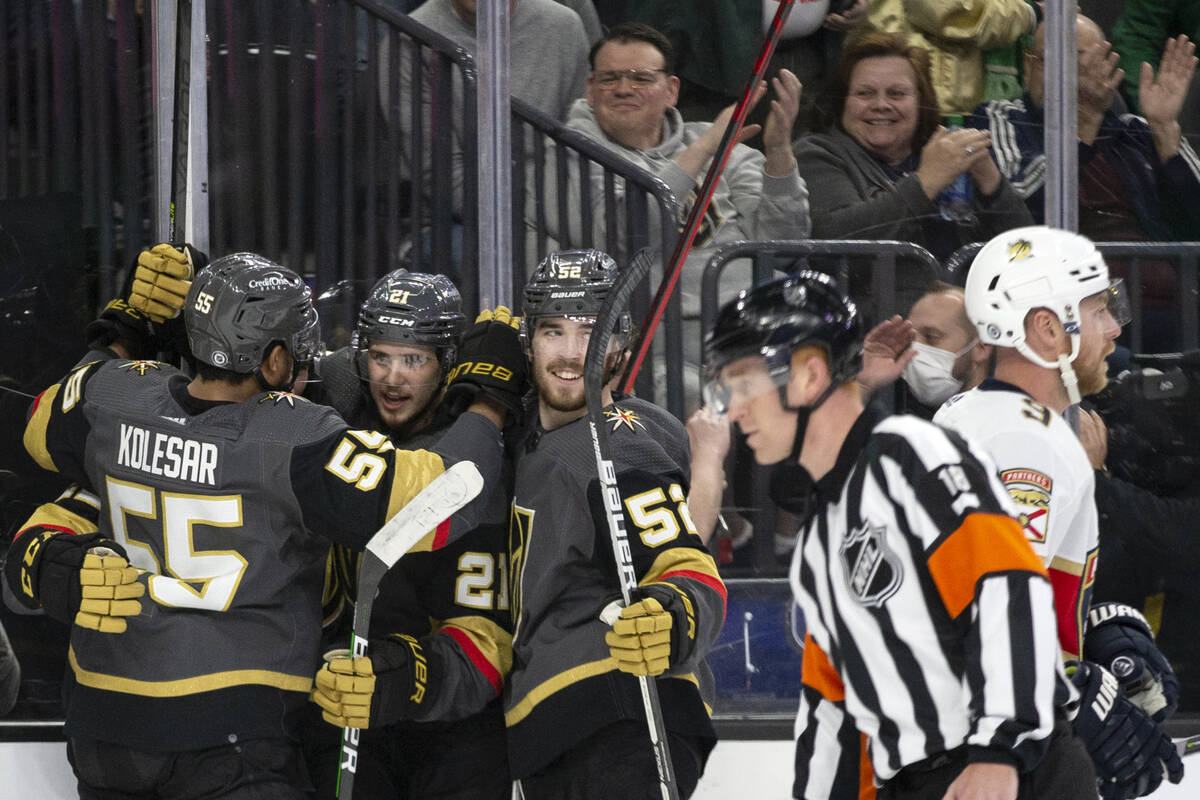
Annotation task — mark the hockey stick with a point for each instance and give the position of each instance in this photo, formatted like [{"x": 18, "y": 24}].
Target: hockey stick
[
  {"x": 434, "y": 504},
  {"x": 1188, "y": 745},
  {"x": 179, "y": 128},
  {"x": 691, "y": 226},
  {"x": 593, "y": 382}
]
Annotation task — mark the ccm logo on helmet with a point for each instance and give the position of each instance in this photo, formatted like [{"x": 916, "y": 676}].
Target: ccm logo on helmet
[
  {"x": 390, "y": 320},
  {"x": 481, "y": 368}
]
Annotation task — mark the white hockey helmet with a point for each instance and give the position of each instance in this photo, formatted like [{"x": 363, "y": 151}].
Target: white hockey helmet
[{"x": 1035, "y": 267}]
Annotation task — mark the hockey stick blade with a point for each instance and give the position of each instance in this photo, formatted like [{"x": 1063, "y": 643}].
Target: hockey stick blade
[
  {"x": 673, "y": 268},
  {"x": 437, "y": 502},
  {"x": 1188, "y": 745},
  {"x": 593, "y": 382}
]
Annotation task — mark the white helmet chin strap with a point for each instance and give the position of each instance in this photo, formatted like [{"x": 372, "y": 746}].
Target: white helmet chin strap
[{"x": 1065, "y": 370}]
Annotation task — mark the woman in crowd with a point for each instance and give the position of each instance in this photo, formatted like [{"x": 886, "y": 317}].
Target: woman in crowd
[{"x": 878, "y": 172}]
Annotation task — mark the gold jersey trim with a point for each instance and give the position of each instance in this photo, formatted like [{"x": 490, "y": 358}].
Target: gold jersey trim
[
  {"x": 564, "y": 679},
  {"x": 186, "y": 686}
]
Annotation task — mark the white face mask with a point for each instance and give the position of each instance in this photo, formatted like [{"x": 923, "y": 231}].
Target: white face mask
[{"x": 929, "y": 374}]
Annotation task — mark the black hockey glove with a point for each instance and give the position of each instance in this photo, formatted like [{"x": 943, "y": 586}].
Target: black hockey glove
[
  {"x": 1119, "y": 638},
  {"x": 656, "y": 631},
  {"x": 83, "y": 579},
  {"x": 491, "y": 362},
  {"x": 389, "y": 685},
  {"x": 1130, "y": 751}
]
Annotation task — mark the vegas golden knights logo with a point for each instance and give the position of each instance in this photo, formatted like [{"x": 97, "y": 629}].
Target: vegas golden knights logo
[
  {"x": 712, "y": 219},
  {"x": 1020, "y": 250}
]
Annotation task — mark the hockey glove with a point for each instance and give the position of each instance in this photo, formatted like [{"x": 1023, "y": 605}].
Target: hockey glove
[
  {"x": 491, "y": 362},
  {"x": 1130, "y": 751},
  {"x": 654, "y": 632},
  {"x": 82, "y": 579},
  {"x": 384, "y": 687},
  {"x": 161, "y": 281},
  {"x": 1119, "y": 638}
]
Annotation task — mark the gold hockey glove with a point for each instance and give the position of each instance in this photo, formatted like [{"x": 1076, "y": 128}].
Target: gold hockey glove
[{"x": 161, "y": 282}]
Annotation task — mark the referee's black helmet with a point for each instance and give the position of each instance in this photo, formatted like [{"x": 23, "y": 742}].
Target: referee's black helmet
[{"x": 774, "y": 319}]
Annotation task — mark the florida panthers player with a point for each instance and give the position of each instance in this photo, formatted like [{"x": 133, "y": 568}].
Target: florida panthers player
[{"x": 1043, "y": 298}]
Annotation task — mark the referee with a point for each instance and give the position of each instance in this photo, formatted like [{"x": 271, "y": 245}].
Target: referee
[{"x": 930, "y": 619}]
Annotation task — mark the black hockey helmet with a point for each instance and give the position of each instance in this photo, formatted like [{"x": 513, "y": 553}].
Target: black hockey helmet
[
  {"x": 412, "y": 308},
  {"x": 241, "y": 304},
  {"x": 774, "y": 319},
  {"x": 569, "y": 283}
]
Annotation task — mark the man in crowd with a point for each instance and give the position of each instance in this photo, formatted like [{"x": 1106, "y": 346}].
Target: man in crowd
[
  {"x": 924, "y": 604},
  {"x": 575, "y": 715},
  {"x": 630, "y": 108},
  {"x": 1139, "y": 179},
  {"x": 221, "y": 550}
]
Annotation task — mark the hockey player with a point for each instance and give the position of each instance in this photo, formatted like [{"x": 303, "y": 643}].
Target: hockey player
[
  {"x": 451, "y": 605},
  {"x": 190, "y": 662},
  {"x": 926, "y": 608},
  {"x": 576, "y": 721},
  {"x": 1042, "y": 297}
]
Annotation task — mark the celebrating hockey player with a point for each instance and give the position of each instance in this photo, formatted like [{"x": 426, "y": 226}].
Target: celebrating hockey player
[
  {"x": 1043, "y": 298},
  {"x": 576, "y": 721},
  {"x": 445, "y": 611},
  {"x": 926, "y": 609},
  {"x": 196, "y": 604}
]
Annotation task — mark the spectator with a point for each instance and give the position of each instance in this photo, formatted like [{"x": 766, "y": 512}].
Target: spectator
[
  {"x": 1138, "y": 36},
  {"x": 936, "y": 351},
  {"x": 1139, "y": 180},
  {"x": 881, "y": 169},
  {"x": 586, "y": 10},
  {"x": 547, "y": 68},
  {"x": 630, "y": 108},
  {"x": 956, "y": 34}
]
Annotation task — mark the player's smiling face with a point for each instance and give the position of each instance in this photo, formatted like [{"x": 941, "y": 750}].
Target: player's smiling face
[
  {"x": 403, "y": 378},
  {"x": 556, "y": 359}
]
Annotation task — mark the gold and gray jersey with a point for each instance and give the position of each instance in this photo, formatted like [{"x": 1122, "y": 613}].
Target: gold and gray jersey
[
  {"x": 221, "y": 504},
  {"x": 564, "y": 685},
  {"x": 930, "y": 619}
]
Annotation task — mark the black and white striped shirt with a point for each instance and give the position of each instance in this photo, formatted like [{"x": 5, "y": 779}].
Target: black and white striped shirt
[{"x": 930, "y": 619}]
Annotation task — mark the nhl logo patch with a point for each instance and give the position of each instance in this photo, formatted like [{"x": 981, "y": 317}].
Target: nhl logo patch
[
  {"x": 873, "y": 572},
  {"x": 1030, "y": 490}
]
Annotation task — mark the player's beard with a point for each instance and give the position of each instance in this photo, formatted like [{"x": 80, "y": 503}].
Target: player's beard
[
  {"x": 1094, "y": 377},
  {"x": 563, "y": 399}
]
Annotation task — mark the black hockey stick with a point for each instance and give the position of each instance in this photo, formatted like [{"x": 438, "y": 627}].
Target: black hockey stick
[
  {"x": 691, "y": 226},
  {"x": 179, "y": 127},
  {"x": 594, "y": 378},
  {"x": 434, "y": 504}
]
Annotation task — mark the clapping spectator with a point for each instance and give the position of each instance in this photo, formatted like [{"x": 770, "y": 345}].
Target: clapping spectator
[
  {"x": 884, "y": 164},
  {"x": 1139, "y": 180}
]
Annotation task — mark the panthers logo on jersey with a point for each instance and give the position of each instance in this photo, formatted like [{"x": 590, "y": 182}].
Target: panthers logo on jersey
[{"x": 1030, "y": 490}]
